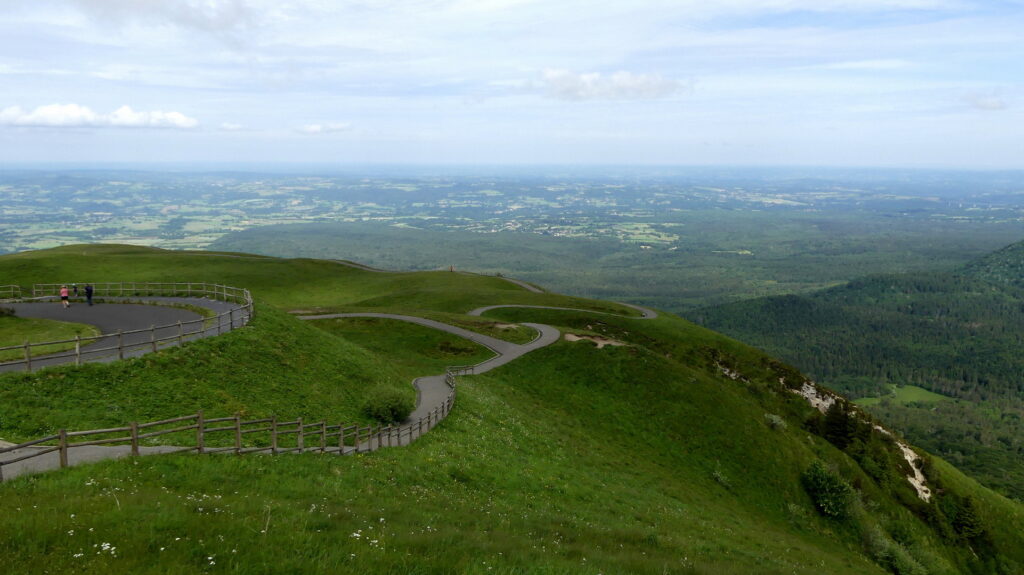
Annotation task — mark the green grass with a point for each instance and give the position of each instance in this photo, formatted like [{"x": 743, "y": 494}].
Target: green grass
[
  {"x": 512, "y": 481},
  {"x": 277, "y": 365},
  {"x": 903, "y": 394},
  {"x": 651, "y": 458},
  {"x": 424, "y": 351},
  {"x": 18, "y": 330},
  {"x": 292, "y": 284}
]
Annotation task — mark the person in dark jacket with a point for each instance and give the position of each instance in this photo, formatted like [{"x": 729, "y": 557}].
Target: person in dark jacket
[{"x": 88, "y": 293}]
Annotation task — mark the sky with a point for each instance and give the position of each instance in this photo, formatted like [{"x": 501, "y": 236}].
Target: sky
[{"x": 887, "y": 83}]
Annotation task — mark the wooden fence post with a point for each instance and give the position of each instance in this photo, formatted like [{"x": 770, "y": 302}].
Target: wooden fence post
[
  {"x": 273, "y": 434},
  {"x": 28, "y": 356},
  {"x": 323, "y": 436},
  {"x": 341, "y": 440},
  {"x": 63, "y": 443},
  {"x": 181, "y": 333},
  {"x": 120, "y": 345},
  {"x": 301, "y": 439},
  {"x": 78, "y": 350},
  {"x": 135, "y": 438},
  {"x": 220, "y": 321},
  {"x": 200, "y": 432},
  {"x": 152, "y": 336},
  {"x": 238, "y": 434},
  {"x": 231, "y": 314}
]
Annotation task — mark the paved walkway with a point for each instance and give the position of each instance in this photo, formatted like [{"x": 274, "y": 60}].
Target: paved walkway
[
  {"x": 432, "y": 390},
  {"x": 111, "y": 317}
]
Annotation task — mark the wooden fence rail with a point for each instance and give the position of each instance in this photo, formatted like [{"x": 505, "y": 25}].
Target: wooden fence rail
[
  {"x": 164, "y": 335},
  {"x": 10, "y": 292},
  {"x": 239, "y": 437}
]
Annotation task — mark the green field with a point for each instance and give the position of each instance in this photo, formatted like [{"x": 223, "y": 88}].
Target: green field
[
  {"x": 903, "y": 394},
  {"x": 683, "y": 452}
]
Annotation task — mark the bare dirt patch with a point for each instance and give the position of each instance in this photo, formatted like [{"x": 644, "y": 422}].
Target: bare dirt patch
[{"x": 600, "y": 341}]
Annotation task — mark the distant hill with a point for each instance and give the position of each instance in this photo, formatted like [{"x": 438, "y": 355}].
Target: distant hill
[
  {"x": 1005, "y": 266},
  {"x": 682, "y": 451},
  {"x": 958, "y": 333}
]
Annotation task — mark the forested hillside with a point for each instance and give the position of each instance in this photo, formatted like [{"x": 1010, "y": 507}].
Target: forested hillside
[{"x": 958, "y": 334}]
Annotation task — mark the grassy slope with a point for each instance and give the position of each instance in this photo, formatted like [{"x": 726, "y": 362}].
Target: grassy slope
[
  {"x": 18, "y": 330},
  {"x": 290, "y": 284},
  {"x": 634, "y": 459},
  {"x": 276, "y": 365},
  {"x": 903, "y": 394}
]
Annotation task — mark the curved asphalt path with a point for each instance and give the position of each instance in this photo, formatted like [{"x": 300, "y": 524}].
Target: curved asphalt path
[
  {"x": 432, "y": 390},
  {"x": 111, "y": 317}
]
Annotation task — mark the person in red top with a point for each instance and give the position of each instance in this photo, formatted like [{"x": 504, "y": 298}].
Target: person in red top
[{"x": 64, "y": 296}]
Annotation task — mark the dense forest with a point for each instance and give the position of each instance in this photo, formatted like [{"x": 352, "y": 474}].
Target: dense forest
[{"x": 958, "y": 334}]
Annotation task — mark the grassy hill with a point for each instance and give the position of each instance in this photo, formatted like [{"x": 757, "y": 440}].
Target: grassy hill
[
  {"x": 683, "y": 451},
  {"x": 956, "y": 333}
]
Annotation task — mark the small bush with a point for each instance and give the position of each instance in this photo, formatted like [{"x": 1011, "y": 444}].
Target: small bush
[
  {"x": 891, "y": 554},
  {"x": 774, "y": 421},
  {"x": 388, "y": 405},
  {"x": 831, "y": 494},
  {"x": 6, "y": 311}
]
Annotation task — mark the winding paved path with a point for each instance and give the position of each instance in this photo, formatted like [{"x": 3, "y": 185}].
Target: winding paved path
[
  {"x": 111, "y": 317},
  {"x": 432, "y": 390}
]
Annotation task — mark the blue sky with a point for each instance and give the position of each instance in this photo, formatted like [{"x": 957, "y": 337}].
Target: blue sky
[{"x": 909, "y": 83}]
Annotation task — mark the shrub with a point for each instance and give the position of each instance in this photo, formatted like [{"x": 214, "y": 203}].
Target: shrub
[
  {"x": 831, "y": 494},
  {"x": 774, "y": 421},
  {"x": 388, "y": 405},
  {"x": 891, "y": 554},
  {"x": 6, "y": 311}
]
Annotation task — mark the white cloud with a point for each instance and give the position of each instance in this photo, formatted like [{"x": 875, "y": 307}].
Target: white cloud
[
  {"x": 883, "y": 64},
  {"x": 325, "y": 128},
  {"x": 567, "y": 85},
  {"x": 988, "y": 103},
  {"x": 76, "y": 116},
  {"x": 208, "y": 15}
]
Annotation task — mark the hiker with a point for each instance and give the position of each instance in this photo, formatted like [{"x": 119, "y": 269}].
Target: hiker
[
  {"x": 74, "y": 287},
  {"x": 88, "y": 293},
  {"x": 64, "y": 297}
]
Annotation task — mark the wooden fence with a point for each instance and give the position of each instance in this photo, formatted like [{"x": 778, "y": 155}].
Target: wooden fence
[
  {"x": 126, "y": 343},
  {"x": 10, "y": 292},
  {"x": 138, "y": 289},
  {"x": 233, "y": 435}
]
